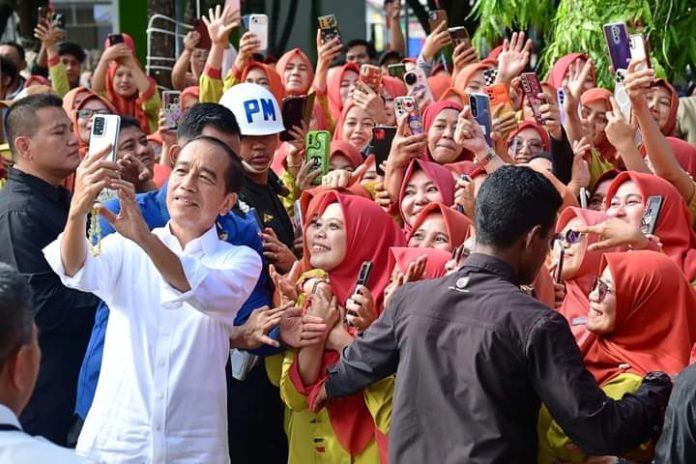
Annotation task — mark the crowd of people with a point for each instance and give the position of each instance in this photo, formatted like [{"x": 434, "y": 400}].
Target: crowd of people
[{"x": 523, "y": 291}]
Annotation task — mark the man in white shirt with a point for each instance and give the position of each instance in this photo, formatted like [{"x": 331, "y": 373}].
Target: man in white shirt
[
  {"x": 19, "y": 366},
  {"x": 173, "y": 293}
]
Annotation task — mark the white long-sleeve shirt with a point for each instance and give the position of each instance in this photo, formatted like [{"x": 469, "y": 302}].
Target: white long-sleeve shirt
[
  {"x": 18, "y": 447},
  {"x": 161, "y": 395}
]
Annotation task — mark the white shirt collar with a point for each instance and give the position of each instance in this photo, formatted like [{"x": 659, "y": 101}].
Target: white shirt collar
[
  {"x": 206, "y": 244},
  {"x": 7, "y": 416}
]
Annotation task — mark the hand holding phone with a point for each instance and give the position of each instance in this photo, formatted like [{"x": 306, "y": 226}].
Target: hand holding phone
[
  {"x": 371, "y": 76},
  {"x": 328, "y": 28},
  {"x": 481, "y": 111},
  {"x": 531, "y": 87},
  {"x": 171, "y": 108},
  {"x": 618, "y": 44},
  {"x": 363, "y": 278},
  {"x": 648, "y": 222},
  {"x": 258, "y": 25}
]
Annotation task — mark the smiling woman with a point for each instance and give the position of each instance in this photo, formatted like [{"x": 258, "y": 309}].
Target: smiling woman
[{"x": 424, "y": 183}]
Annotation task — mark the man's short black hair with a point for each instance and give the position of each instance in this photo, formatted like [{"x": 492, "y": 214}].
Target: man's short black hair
[
  {"x": 16, "y": 312},
  {"x": 129, "y": 121},
  {"x": 71, "y": 48},
  {"x": 16, "y": 46},
  {"x": 235, "y": 172},
  {"x": 388, "y": 55},
  {"x": 8, "y": 69},
  {"x": 202, "y": 115},
  {"x": 511, "y": 202},
  {"x": 21, "y": 118},
  {"x": 371, "y": 52}
]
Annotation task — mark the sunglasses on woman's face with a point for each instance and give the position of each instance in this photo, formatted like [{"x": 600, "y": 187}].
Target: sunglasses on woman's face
[
  {"x": 602, "y": 289},
  {"x": 534, "y": 146},
  {"x": 87, "y": 113},
  {"x": 570, "y": 237}
]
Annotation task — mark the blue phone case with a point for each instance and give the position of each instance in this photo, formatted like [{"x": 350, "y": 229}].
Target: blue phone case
[
  {"x": 480, "y": 106},
  {"x": 619, "y": 44}
]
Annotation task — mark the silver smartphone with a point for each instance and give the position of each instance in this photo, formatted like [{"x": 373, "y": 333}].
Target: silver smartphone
[{"x": 105, "y": 129}]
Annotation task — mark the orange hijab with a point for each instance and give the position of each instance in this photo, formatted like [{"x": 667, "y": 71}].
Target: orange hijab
[
  {"x": 341, "y": 147},
  {"x": 655, "y": 325},
  {"x": 598, "y": 94},
  {"x": 333, "y": 87},
  {"x": 455, "y": 95},
  {"x": 274, "y": 82},
  {"x": 674, "y": 225},
  {"x": 438, "y": 84},
  {"x": 561, "y": 67},
  {"x": 73, "y": 101},
  {"x": 458, "y": 225},
  {"x": 283, "y": 62},
  {"x": 462, "y": 79},
  {"x": 577, "y": 301},
  {"x": 394, "y": 86}
]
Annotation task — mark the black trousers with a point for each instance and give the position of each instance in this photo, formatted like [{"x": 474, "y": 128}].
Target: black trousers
[
  {"x": 51, "y": 409},
  {"x": 255, "y": 419}
]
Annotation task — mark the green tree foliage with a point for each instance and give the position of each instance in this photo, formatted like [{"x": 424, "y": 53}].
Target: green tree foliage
[{"x": 576, "y": 26}]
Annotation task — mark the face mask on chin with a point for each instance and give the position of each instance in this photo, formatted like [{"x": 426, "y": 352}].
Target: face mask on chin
[{"x": 249, "y": 168}]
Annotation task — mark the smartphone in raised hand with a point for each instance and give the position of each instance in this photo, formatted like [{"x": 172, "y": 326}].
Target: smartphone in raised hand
[
  {"x": 480, "y": 106},
  {"x": 258, "y": 25},
  {"x": 328, "y": 28},
  {"x": 317, "y": 150},
  {"x": 531, "y": 87},
  {"x": 618, "y": 44}
]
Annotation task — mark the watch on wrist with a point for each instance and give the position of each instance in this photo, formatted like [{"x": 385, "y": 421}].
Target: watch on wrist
[{"x": 486, "y": 159}]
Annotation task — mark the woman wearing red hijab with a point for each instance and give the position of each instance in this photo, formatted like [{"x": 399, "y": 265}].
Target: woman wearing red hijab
[
  {"x": 440, "y": 122},
  {"x": 594, "y": 105},
  {"x": 529, "y": 140},
  {"x": 424, "y": 183},
  {"x": 626, "y": 200},
  {"x": 353, "y": 428},
  {"x": 580, "y": 265},
  {"x": 440, "y": 227},
  {"x": 558, "y": 77},
  {"x": 641, "y": 316},
  {"x": 296, "y": 72},
  {"x": 392, "y": 88},
  {"x": 354, "y": 126},
  {"x": 340, "y": 85},
  {"x": 189, "y": 97},
  {"x": 120, "y": 78}
]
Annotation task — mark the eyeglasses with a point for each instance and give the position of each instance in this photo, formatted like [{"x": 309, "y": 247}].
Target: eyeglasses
[
  {"x": 86, "y": 113},
  {"x": 602, "y": 289},
  {"x": 534, "y": 146}
]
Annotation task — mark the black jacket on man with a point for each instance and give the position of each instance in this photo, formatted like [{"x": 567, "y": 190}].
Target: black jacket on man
[{"x": 474, "y": 357}]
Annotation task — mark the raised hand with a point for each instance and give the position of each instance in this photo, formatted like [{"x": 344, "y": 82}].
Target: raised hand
[
  {"x": 48, "y": 33},
  {"x": 514, "y": 57},
  {"x": 220, "y": 24},
  {"x": 577, "y": 75},
  {"x": 637, "y": 83},
  {"x": 129, "y": 222},
  {"x": 620, "y": 132},
  {"x": 551, "y": 114},
  {"x": 191, "y": 39},
  {"x": 371, "y": 102},
  {"x": 248, "y": 45},
  {"x": 276, "y": 252},
  {"x": 614, "y": 233},
  {"x": 464, "y": 54},
  {"x": 306, "y": 175},
  {"x": 93, "y": 175},
  {"x": 406, "y": 147},
  {"x": 435, "y": 41},
  {"x": 469, "y": 134},
  {"x": 298, "y": 330},
  {"x": 254, "y": 332},
  {"x": 360, "y": 309},
  {"x": 341, "y": 178},
  {"x": 286, "y": 285},
  {"x": 327, "y": 52}
]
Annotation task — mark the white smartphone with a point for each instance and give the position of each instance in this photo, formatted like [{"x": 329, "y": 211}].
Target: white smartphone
[
  {"x": 172, "y": 108},
  {"x": 417, "y": 84},
  {"x": 258, "y": 25},
  {"x": 639, "y": 51},
  {"x": 561, "y": 98},
  {"x": 105, "y": 129}
]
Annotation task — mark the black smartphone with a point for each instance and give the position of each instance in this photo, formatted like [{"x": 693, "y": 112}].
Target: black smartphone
[
  {"x": 648, "y": 222},
  {"x": 114, "y": 39},
  {"x": 363, "y": 277},
  {"x": 293, "y": 115},
  {"x": 558, "y": 273},
  {"x": 382, "y": 137},
  {"x": 59, "y": 18}
]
